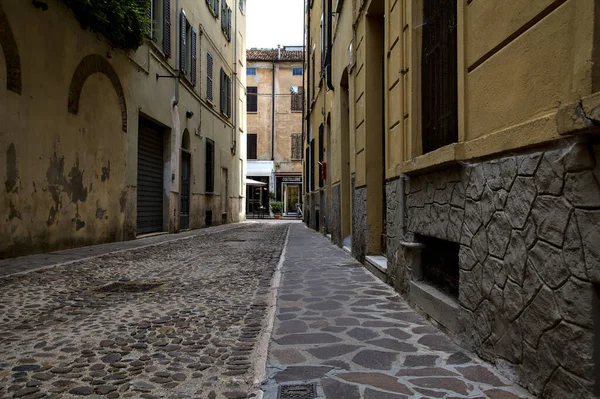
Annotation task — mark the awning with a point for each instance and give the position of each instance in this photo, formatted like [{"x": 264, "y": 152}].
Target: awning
[
  {"x": 259, "y": 168},
  {"x": 250, "y": 182}
]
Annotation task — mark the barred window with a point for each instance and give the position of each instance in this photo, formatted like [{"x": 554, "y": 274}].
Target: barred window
[
  {"x": 296, "y": 146},
  {"x": 252, "y": 103},
  {"x": 298, "y": 99}
]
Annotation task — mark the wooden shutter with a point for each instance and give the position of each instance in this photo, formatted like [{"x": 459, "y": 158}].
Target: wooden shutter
[
  {"x": 209, "y": 82},
  {"x": 321, "y": 153},
  {"x": 229, "y": 96},
  {"x": 183, "y": 43},
  {"x": 251, "y": 148},
  {"x": 252, "y": 100},
  {"x": 193, "y": 45},
  {"x": 222, "y": 92},
  {"x": 216, "y": 8},
  {"x": 229, "y": 24},
  {"x": 167, "y": 28},
  {"x": 210, "y": 166}
]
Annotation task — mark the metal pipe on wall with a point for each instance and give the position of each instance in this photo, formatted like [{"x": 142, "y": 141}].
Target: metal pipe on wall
[{"x": 273, "y": 115}]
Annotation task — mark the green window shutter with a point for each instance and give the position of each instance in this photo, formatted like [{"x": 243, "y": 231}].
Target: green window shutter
[
  {"x": 209, "y": 74},
  {"x": 167, "y": 28},
  {"x": 193, "y": 45},
  {"x": 229, "y": 24},
  {"x": 183, "y": 44},
  {"x": 222, "y": 97},
  {"x": 229, "y": 96}
]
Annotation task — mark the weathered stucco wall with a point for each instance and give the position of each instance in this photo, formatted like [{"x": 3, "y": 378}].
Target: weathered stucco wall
[
  {"x": 69, "y": 141},
  {"x": 529, "y": 227}
]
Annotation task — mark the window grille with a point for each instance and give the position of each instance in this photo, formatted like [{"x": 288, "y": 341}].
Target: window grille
[{"x": 439, "y": 74}]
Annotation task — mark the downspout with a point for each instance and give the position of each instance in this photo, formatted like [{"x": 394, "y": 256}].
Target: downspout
[
  {"x": 177, "y": 52},
  {"x": 301, "y": 196},
  {"x": 235, "y": 98},
  {"x": 328, "y": 77},
  {"x": 273, "y": 115}
]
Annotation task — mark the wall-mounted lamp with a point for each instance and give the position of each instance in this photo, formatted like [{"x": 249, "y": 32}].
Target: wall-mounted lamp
[{"x": 189, "y": 114}]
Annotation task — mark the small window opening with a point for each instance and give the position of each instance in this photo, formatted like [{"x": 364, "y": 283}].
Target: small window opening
[
  {"x": 208, "y": 219},
  {"x": 439, "y": 264}
]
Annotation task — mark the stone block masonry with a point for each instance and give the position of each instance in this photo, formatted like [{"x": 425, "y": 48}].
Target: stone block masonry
[{"x": 528, "y": 225}]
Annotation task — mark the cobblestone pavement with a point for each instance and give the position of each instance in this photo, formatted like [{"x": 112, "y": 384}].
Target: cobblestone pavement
[
  {"x": 193, "y": 336},
  {"x": 340, "y": 327}
]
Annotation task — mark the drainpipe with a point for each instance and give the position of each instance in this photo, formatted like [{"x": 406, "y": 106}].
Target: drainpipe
[
  {"x": 273, "y": 115},
  {"x": 235, "y": 98},
  {"x": 301, "y": 194},
  {"x": 177, "y": 52},
  {"x": 329, "y": 16}
]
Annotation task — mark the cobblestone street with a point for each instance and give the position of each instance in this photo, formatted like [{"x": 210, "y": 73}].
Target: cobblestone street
[
  {"x": 190, "y": 318},
  {"x": 194, "y": 335}
]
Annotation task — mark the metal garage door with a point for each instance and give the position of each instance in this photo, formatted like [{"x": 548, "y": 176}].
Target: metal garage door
[{"x": 150, "y": 178}]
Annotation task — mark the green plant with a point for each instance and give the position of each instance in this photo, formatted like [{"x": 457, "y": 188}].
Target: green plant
[
  {"x": 277, "y": 207},
  {"x": 123, "y": 22}
]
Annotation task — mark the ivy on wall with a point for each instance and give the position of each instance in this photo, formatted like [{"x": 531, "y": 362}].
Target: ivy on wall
[{"x": 123, "y": 22}]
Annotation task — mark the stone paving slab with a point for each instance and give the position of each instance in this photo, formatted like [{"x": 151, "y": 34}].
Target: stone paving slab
[
  {"x": 339, "y": 326},
  {"x": 193, "y": 336}
]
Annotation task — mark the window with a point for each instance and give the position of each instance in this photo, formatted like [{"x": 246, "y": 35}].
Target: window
[
  {"x": 297, "y": 71},
  {"x": 439, "y": 95},
  {"x": 251, "y": 148},
  {"x": 210, "y": 166},
  {"x": 251, "y": 71},
  {"x": 213, "y": 5},
  {"x": 159, "y": 30},
  {"x": 297, "y": 98},
  {"x": 252, "y": 102},
  {"x": 225, "y": 100},
  {"x": 296, "y": 146},
  {"x": 209, "y": 80}
]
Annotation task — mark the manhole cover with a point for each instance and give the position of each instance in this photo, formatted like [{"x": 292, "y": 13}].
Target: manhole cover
[
  {"x": 299, "y": 391},
  {"x": 129, "y": 286}
]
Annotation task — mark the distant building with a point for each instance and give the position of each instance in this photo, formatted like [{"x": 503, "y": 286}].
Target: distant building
[
  {"x": 275, "y": 95},
  {"x": 99, "y": 144}
]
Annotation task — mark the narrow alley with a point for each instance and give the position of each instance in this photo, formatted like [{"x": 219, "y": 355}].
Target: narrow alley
[{"x": 191, "y": 317}]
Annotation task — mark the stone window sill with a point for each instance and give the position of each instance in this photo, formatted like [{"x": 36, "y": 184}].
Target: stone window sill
[{"x": 436, "y": 304}]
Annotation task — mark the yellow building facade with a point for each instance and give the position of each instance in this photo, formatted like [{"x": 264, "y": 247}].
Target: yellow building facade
[
  {"x": 274, "y": 113},
  {"x": 100, "y": 144},
  {"x": 452, "y": 147}
]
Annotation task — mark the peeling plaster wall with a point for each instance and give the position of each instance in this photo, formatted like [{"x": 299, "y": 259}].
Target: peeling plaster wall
[
  {"x": 529, "y": 229},
  {"x": 69, "y": 173}
]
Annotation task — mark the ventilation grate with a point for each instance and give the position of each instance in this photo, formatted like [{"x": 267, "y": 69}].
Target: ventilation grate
[
  {"x": 298, "y": 391},
  {"x": 125, "y": 287}
]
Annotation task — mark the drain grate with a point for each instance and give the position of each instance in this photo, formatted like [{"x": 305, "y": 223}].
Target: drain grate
[
  {"x": 298, "y": 391},
  {"x": 129, "y": 286}
]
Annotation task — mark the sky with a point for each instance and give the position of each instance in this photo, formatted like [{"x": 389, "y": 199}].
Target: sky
[{"x": 273, "y": 22}]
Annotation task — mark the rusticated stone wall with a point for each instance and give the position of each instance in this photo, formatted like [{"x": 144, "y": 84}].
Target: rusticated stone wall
[
  {"x": 335, "y": 225},
  {"x": 529, "y": 229},
  {"x": 359, "y": 222},
  {"x": 324, "y": 213}
]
